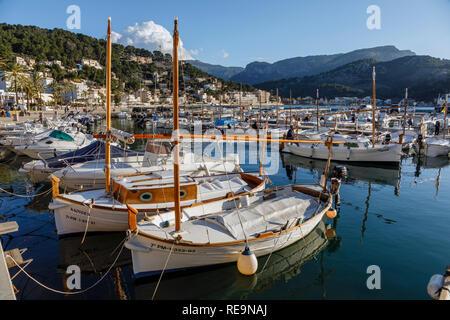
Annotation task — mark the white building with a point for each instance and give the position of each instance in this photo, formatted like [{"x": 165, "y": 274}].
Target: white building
[{"x": 91, "y": 63}]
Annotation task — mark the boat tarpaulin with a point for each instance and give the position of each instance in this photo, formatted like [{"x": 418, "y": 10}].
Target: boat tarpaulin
[{"x": 96, "y": 150}]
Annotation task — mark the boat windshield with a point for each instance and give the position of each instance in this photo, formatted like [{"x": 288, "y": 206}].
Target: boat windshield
[{"x": 61, "y": 135}]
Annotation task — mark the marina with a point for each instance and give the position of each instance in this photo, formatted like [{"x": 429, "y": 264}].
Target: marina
[{"x": 231, "y": 192}]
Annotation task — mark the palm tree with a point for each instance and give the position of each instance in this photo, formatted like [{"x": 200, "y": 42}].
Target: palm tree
[
  {"x": 3, "y": 63},
  {"x": 27, "y": 85},
  {"x": 37, "y": 79},
  {"x": 14, "y": 75},
  {"x": 57, "y": 90}
]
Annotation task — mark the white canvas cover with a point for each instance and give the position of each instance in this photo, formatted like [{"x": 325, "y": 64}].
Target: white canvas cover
[{"x": 269, "y": 215}]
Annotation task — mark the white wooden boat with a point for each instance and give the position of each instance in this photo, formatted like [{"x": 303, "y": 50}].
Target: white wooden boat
[
  {"x": 95, "y": 211},
  {"x": 354, "y": 149},
  {"x": 211, "y": 234},
  {"x": 92, "y": 155},
  {"x": 271, "y": 220},
  {"x": 432, "y": 147}
]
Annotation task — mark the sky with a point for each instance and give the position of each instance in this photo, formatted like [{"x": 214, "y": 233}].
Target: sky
[{"x": 237, "y": 32}]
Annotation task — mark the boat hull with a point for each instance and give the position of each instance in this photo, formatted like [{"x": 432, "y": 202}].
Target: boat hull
[
  {"x": 150, "y": 255},
  {"x": 390, "y": 154}
]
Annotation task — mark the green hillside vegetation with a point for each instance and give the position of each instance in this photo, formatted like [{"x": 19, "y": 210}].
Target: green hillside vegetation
[{"x": 70, "y": 48}]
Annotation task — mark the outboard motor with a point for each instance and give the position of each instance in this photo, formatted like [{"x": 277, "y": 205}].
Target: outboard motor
[
  {"x": 339, "y": 172},
  {"x": 334, "y": 190},
  {"x": 420, "y": 141}
]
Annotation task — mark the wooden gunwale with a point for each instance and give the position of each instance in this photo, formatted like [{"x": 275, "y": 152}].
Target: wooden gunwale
[
  {"x": 260, "y": 236},
  {"x": 102, "y": 207}
]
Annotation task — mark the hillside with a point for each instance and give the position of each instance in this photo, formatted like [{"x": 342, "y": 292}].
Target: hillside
[
  {"x": 70, "y": 48},
  {"x": 258, "y": 72},
  {"x": 216, "y": 70},
  {"x": 424, "y": 76}
]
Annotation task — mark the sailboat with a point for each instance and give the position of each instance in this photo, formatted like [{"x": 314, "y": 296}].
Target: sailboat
[
  {"x": 207, "y": 234},
  {"x": 353, "y": 148},
  {"x": 149, "y": 192},
  {"x": 435, "y": 146}
]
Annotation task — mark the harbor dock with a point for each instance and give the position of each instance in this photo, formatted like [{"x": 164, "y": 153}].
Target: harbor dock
[{"x": 6, "y": 286}]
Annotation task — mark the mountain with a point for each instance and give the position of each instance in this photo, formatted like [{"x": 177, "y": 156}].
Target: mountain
[
  {"x": 424, "y": 76},
  {"x": 216, "y": 70},
  {"x": 257, "y": 72}
]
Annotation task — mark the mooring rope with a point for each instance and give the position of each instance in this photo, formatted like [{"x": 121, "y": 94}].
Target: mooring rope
[
  {"x": 63, "y": 292},
  {"x": 26, "y": 196},
  {"x": 162, "y": 272}
]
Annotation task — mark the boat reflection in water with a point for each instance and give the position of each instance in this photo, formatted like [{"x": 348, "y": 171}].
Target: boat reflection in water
[
  {"x": 96, "y": 254},
  {"x": 430, "y": 163},
  {"x": 225, "y": 282},
  {"x": 381, "y": 174}
]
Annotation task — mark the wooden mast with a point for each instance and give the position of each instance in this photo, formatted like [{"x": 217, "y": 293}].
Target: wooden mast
[
  {"x": 445, "y": 115},
  {"x": 277, "y": 108},
  {"x": 374, "y": 102},
  {"x": 176, "y": 160},
  {"x": 290, "y": 107},
  {"x": 404, "y": 116},
  {"x": 108, "y": 110},
  {"x": 240, "y": 104},
  {"x": 317, "y": 109}
]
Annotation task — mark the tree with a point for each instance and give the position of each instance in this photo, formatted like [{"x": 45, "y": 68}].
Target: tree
[
  {"x": 37, "y": 79},
  {"x": 14, "y": 75},
  {"x": 27, "y": 86},
  {"x": 56, "y": 90}
]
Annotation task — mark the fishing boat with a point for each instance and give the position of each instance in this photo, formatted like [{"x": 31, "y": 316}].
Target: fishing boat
[
  {"x": 283, "y": 266},
  {"x": 435, "y": 146},
  {"x": 157, "y": 157},
  {"x": 207, "y": 234},
  {"x": 40, "y": 170},
  {"x": 353, "y": 149},
  {"x": 150, "y": 192},
  {"x": 432, "y": 147}
]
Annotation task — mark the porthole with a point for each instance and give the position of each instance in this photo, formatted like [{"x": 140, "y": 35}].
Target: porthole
[
  {"x": 146, "y": 196},
  {"x": 182, "y": 194}
]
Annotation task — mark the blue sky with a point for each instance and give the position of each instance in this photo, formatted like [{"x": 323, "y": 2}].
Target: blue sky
[{"x": 234, "y": 33}]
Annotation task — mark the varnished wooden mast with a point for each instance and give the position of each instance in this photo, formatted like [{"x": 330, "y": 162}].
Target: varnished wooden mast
[
  {"x": 404, "y": 116},
  {"x": 445, "y": 115},
  {"x": 317, "y": 109},
  {"x": 240, "y": 104},
  {"x": 176, "y": 160},
  {"x": 108, "y": 110},
  {"x": 277, "y": 107},
  {"x": 374, "y": 102}
]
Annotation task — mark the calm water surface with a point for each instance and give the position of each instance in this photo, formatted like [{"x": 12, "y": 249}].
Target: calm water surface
[{"x": 396, "y": 218}]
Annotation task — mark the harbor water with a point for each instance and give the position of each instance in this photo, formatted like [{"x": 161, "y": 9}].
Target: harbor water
[{"x": 396, "y": 218}]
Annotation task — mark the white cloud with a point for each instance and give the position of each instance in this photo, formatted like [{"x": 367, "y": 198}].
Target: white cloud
[
  {"x": 195, "y": 52},
  {"x": 115, "y": 37},
  {"x": 150, "y": 36}
]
